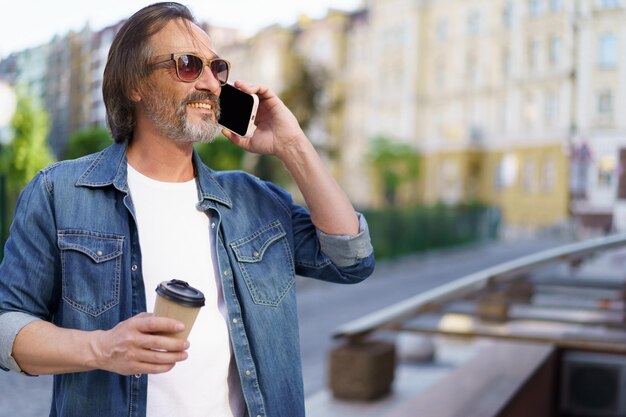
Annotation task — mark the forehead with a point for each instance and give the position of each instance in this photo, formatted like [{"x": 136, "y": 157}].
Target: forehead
[{"x": 181, "y": 36}]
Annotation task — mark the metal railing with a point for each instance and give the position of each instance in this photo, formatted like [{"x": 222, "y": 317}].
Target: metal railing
[{"x": 401, "y": 316}]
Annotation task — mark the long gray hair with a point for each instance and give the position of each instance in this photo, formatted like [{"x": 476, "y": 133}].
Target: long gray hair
[{"x": 129, "y": 62}]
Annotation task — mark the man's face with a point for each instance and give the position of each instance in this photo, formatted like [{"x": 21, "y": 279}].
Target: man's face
[{"x": 184, "y": 112}]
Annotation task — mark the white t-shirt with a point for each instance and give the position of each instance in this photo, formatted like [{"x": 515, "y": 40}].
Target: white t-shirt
[{"x": 176, "y": 243}]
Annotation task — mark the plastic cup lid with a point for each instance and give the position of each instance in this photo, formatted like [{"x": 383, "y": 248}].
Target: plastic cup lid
[{"x": 180, "y": 292}]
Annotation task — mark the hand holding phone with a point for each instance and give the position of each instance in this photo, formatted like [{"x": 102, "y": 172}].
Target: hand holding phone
[{"x": 238, "y": 110}]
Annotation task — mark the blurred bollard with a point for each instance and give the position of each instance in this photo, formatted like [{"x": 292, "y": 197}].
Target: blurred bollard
[
  {"x": 362, "y": 370},
  {"x": 493, "y": 307},
  {"x": 520, "y": 291}
]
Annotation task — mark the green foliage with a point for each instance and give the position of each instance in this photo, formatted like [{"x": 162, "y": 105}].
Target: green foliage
[
  {"x": 302, "y": 91},
  {"x": 220, "y": 154},
  {"x": 401, "y": 231},
  {"x": 270, "y": 168},
  {"x": 394, "y": 164},
  {"x": 23, "y": 157},
  {"x": 86, "y": 142},
  {"x": 29, "y": 150}
]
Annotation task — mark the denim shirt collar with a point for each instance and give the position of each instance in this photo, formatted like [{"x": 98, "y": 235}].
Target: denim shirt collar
[{"x": 109, "y": 168}]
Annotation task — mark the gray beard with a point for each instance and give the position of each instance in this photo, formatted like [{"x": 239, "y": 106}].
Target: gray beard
[{"x": 177, "y": 126}]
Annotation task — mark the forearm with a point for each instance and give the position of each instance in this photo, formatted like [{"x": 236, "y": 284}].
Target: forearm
[
  {"x": 43, "y": 348},
  {"x": 134, "y": 346},
  {"x": 330, "y": 208}
]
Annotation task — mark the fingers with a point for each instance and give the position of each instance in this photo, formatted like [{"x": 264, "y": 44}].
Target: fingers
[
  {"x": 162, "y": 343},
  {"x": 261, "y": 91},
  {"x": 141, "y": 345},
  {"x": 231, "y": 136},
  {"x": 148, "y": 323}
]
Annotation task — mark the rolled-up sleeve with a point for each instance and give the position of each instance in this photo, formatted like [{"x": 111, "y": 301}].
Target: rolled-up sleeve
[
  {"x": 10, "y": 325},
  {"x": 347, "y": 250},
  {"x": 27, "y": 271}
]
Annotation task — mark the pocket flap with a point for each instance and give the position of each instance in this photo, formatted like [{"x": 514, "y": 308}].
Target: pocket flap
[
  {"x": 252, "y": 248},
  {"x": 98, "y": 246}
]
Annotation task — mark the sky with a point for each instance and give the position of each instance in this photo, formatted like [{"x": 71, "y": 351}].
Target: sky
[{"x": 28, "y": 23}]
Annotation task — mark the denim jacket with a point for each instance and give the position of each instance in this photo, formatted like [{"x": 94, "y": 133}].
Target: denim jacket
[{"x": 73, "y": 258}]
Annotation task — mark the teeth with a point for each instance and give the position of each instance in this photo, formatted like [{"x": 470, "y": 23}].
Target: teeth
[{"x": 200, "y": 106}]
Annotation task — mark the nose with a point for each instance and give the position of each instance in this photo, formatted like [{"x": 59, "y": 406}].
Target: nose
[{"x": 208, "y": 82}]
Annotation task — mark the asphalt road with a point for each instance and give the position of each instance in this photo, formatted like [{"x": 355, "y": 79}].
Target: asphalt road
[{"x": 322, "y": 307}]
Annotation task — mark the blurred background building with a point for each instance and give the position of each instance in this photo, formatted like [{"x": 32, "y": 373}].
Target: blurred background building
[{"x": 512, "y": 103}]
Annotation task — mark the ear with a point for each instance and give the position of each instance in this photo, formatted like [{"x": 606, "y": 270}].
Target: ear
[{"x": 134, "y": 95}]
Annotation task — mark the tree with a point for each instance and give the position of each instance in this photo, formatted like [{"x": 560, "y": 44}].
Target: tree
[
  {"x": 87, "y": 141},
  {"x": 23, "y": 157},
  {"x": 395, "y": 164},
  {"x": 221, "y": 154},
  {"x": 29, "y": 151},
  {"x": 302, "y": 91}
]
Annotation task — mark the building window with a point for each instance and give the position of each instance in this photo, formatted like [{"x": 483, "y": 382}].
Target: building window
[
  {"x": 608, "y": 4},
  {"x": 607, "y": 50},
  {"x": 605, "y": 106},
  {"x": 551, "y": 109},
  {"x": 498, "y": 177},
  {"x": 442, "y": 30},
  {"x": 555, "y": 50},
  {"x": 534, "y": 8},
  {"x": 530, "y": 113},
  {"x": 528, "y": 176},
  {"x": 548, "y": 175},
  {"x": 507, "y": 14},
  {"x": 533, "y": 54},
  {"x": 606, "y": 170},
  {"x": 473, "y": 22},
  {"x": 556, "y": 5}
]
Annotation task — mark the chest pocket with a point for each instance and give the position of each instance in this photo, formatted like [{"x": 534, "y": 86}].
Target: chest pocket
[
  {"x": 91, "y": 266},
  {"x": 266, "y": 263}
]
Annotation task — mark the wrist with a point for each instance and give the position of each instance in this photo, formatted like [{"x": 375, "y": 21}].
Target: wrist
[
  {"x": 94, "y": 357},
  {"x": 295, "y": 150}
]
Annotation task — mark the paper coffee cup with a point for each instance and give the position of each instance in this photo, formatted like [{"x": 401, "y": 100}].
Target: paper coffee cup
[{"x": 178, "y": 300}]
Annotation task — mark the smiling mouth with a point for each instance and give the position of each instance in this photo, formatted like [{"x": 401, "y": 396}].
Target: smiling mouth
[{"x": 205, "y": 106}]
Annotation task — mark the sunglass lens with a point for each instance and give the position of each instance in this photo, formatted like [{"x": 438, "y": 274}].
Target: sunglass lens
[
  {"x": 219, "y": 68},
  {"x": 189, "y": 67}
]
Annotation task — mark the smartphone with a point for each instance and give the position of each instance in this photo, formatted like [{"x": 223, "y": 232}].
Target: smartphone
[{"x": 238, "y": 110}]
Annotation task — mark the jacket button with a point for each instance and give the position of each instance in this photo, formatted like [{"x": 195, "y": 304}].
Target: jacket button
[
  {"x": 226, "y": 273},
  {"x": 99, "y": 253},
  {"x": 137, "y": 376},
  {"x": 248, "y": 373},
  {"x": 235, "y": 321},
  {"x": 213, "y": 225},
  {"x": 133, "y": 268},
  {"x": 255, "y": 254}
]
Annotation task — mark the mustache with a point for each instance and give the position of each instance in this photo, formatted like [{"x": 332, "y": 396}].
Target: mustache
[{"x": 204, "y": 96}]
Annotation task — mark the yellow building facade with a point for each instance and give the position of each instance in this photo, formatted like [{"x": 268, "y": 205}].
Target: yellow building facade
[{"x": 499, "y": 106}]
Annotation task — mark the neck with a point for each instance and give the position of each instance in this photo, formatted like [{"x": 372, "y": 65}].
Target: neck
[{"x": 160, "y": 158}]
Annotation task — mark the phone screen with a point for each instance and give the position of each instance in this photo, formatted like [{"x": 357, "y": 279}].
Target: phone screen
[{"x": 237, "y": 109}]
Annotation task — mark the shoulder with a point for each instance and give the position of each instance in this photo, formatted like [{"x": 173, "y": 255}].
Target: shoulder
[{"x": 71, "y": 167}]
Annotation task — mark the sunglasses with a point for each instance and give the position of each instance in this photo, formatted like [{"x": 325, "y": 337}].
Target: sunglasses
[{"x": 189, "y": 67}]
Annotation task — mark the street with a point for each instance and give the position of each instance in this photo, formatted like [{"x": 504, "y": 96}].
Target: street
[{"x": 322, "y": 307}]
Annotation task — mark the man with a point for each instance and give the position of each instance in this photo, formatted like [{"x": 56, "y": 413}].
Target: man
[{"x": 93, "y": 237}]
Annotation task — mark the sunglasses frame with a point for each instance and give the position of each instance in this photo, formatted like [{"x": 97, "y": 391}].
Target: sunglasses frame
[{"x": 205, "y": 62}]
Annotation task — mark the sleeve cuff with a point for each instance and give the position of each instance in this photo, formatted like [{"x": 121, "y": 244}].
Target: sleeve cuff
[
  {"x": 347, "y": 250},
  {"x": 10, "y": 325}
]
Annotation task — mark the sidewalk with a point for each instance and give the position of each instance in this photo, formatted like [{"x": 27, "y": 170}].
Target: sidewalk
[{"x": 410, "y": 379}]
